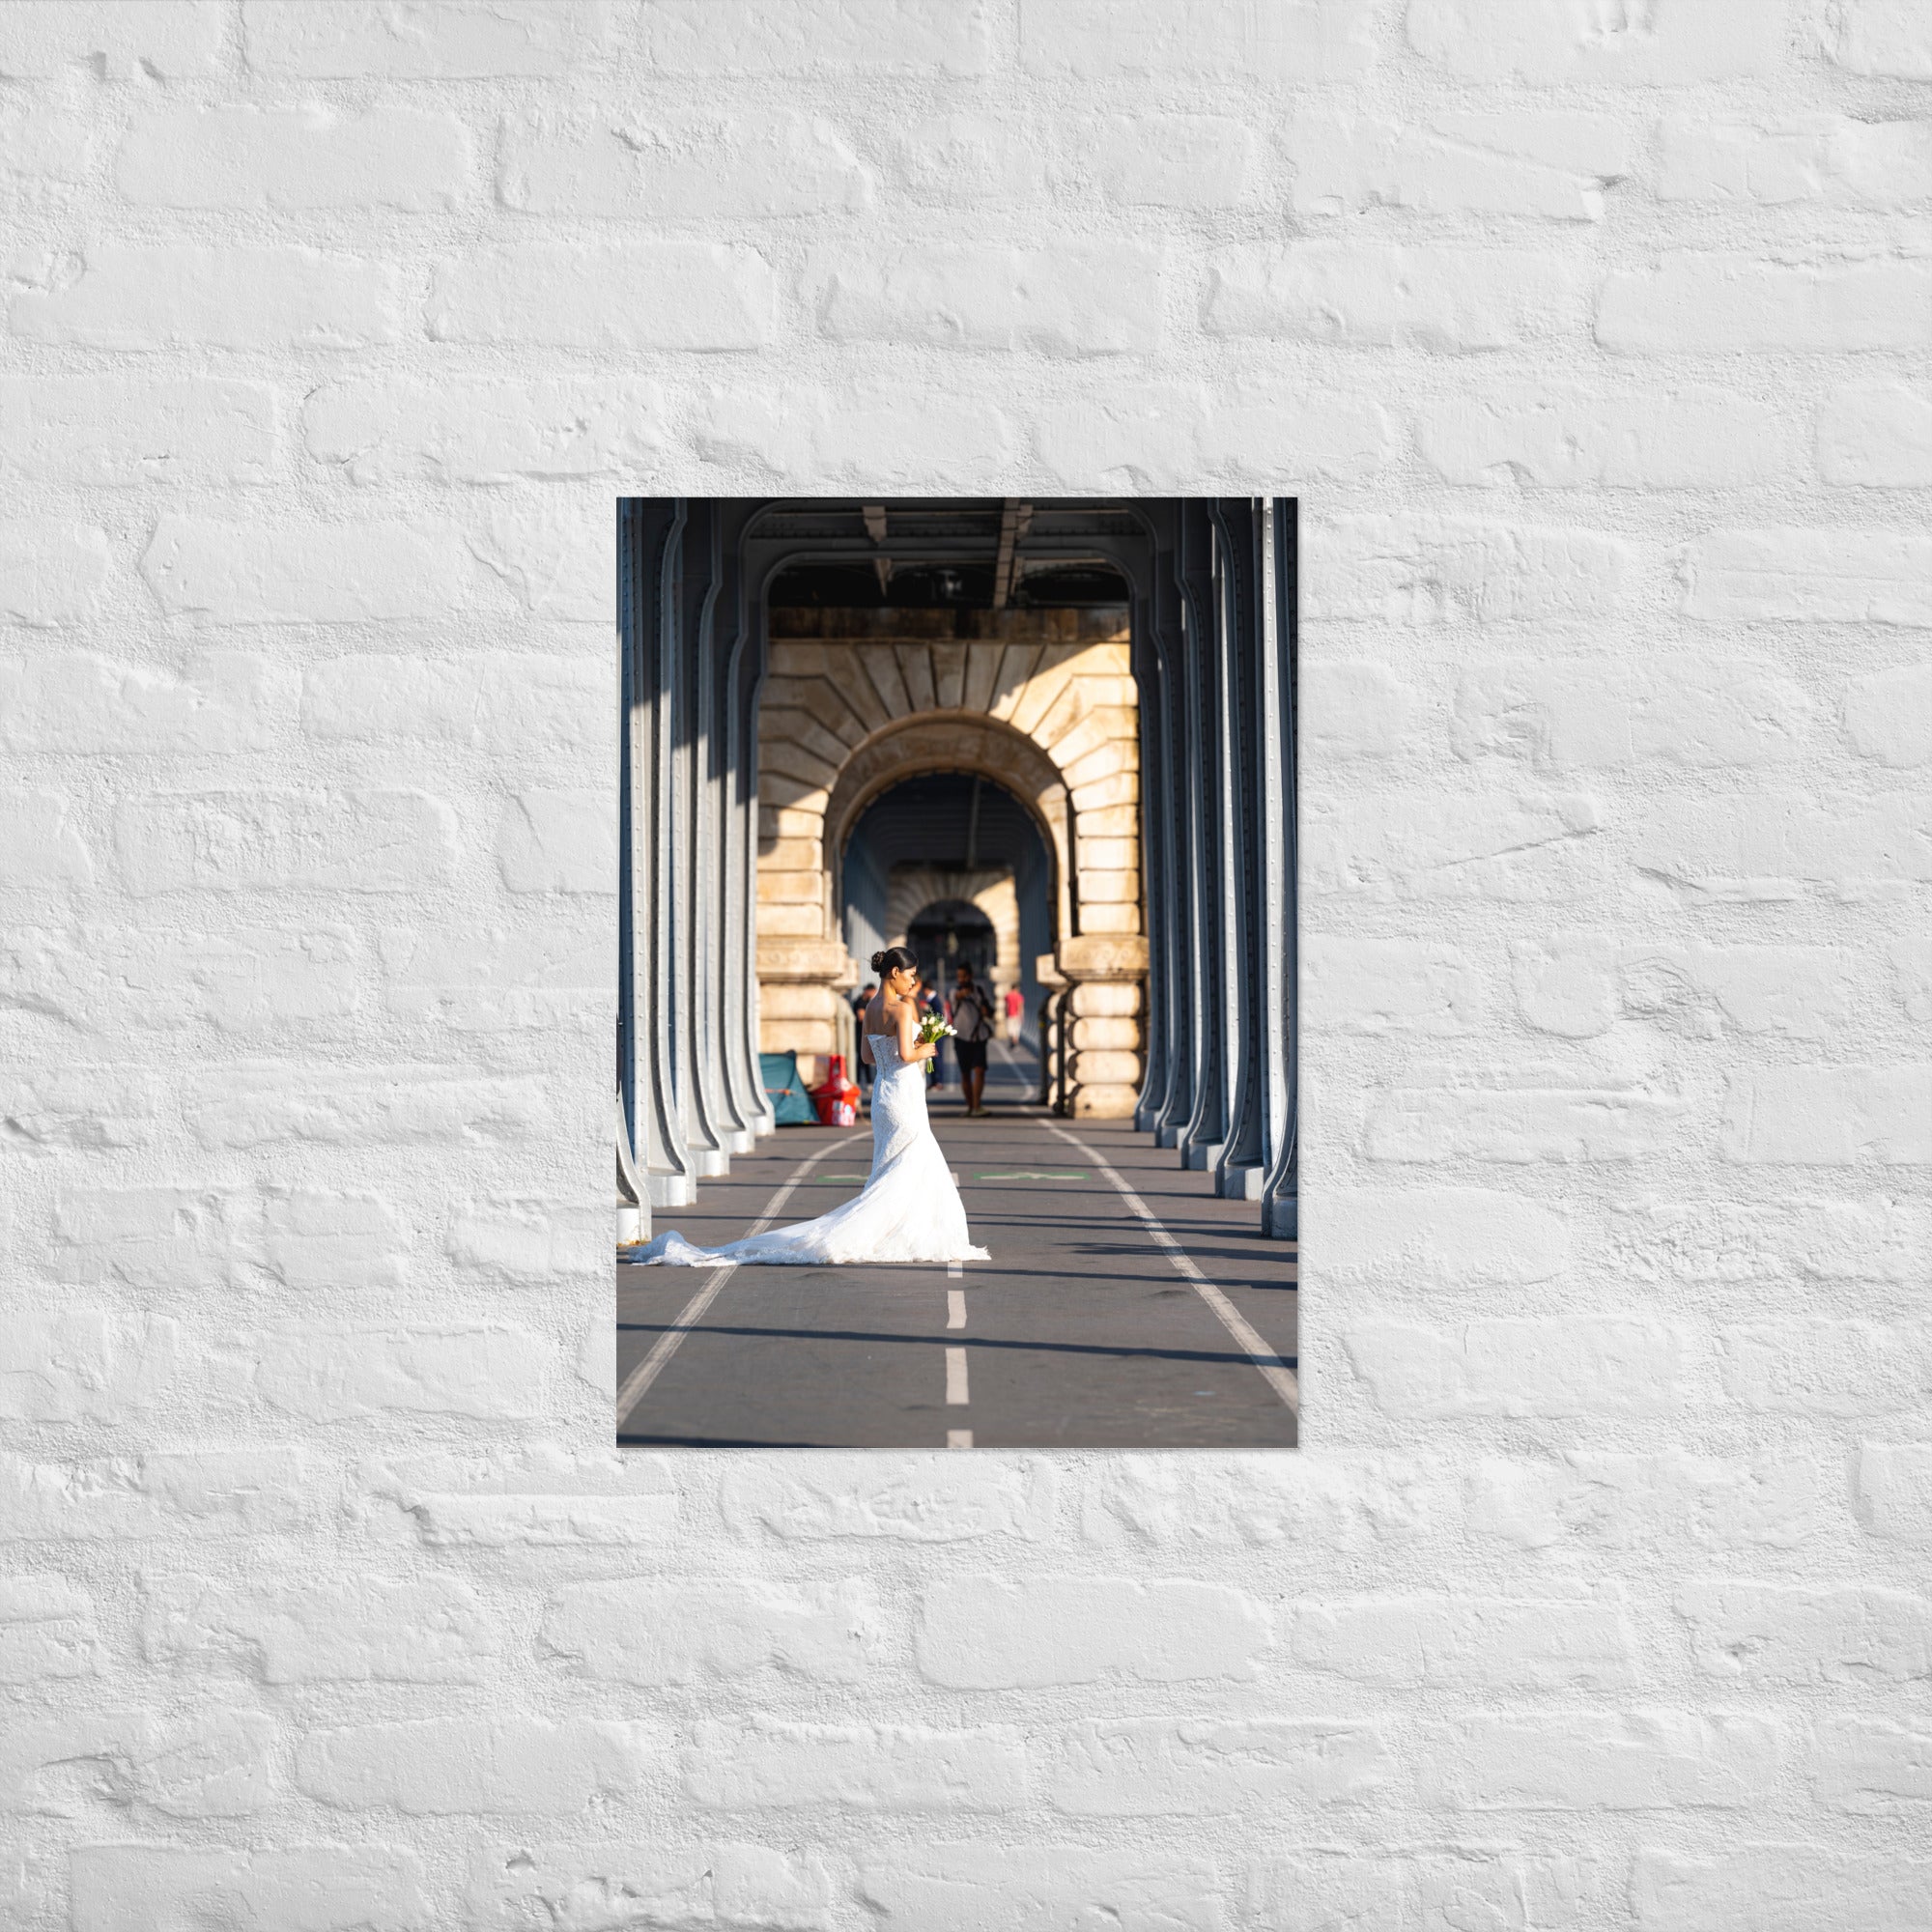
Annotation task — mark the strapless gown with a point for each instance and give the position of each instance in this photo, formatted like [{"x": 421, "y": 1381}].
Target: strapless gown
[{"x": 908, "y": 1212}]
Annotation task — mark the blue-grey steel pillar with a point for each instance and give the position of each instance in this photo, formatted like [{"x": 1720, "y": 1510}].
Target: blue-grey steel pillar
[{"x": 1281, "y": 1190}]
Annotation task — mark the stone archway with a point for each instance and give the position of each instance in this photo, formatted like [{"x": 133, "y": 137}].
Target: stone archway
[{"x": 1041, "y": 702}]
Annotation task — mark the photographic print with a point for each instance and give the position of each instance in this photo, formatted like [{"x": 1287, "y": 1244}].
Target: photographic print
[{"x": 955, "y": 1086}]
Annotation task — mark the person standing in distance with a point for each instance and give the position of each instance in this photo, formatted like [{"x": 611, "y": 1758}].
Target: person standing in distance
[
  {"x": 971, "y": 1019},
  {"x": 1015, "y": 1006}
]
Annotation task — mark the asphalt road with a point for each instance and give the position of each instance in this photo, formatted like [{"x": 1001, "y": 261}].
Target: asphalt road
[{"x": 1080, "y": 1332}]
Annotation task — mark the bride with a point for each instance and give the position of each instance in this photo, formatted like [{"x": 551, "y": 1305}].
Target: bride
[{"x": 910, "y": 1210}]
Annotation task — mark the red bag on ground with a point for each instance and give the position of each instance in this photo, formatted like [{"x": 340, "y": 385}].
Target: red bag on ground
[{"x": 836, "y": 1098}]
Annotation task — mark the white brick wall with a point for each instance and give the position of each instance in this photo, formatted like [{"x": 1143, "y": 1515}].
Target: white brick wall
[{"x": 1596, "y": 340}]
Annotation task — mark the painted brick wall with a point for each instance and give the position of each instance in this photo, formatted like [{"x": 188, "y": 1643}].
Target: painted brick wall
[{"x": 1596, "y": 339}]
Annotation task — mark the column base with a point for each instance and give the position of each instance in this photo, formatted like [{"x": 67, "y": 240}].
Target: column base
[
  {"x": 1203, "y": 1153},
  {"x": 669, "y": 1190},
  {"x": 1167, "y": 1137},
  {"x": 1281, "y": 1220},
  {"x": 1240, "y": 1183}
]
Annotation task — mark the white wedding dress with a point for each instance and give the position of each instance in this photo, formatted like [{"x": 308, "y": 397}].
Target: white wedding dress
[{"x": 909, "y": 1210}]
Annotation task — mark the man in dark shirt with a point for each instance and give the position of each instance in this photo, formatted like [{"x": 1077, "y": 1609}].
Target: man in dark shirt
[{"x": 971, "y": 1016}]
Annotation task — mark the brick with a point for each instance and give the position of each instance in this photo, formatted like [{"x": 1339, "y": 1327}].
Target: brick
[
  {"x": 1834, "y": 576},
  {"x": 764, "y": 1764},
  {"x": 1602, "y": 1500},
  {"x": 558, "y": 559},
  {"x": 1888, "y": 716},
  {"x": 118, "y": 978},
  {"x": 1354, "y": 711},
  {"x": 111, "y": 431},
  {"x": 1561, "y": 435},
  {"x": 1210, "y": 1767},
  {"x": 46, "y": 1630},
  {"x": 1443, "y": 300},
  {"x": 488, "y": 978},
  {"x": 524, "y": 1242},
  {"x": 1690, "y": 710},
  {"x": 925, "y": 37},
  {"x": 1880, "y": 37},
  {"x": 559, "y": 842},
  {"x": 1581, "y": 988},
  {"x": 1520, "y": 40},
  {"x": 1590, "y": 1761},
  {"x": 1835, "y": 1238},
  {"x": 429, "y": 1630},
  {"x": 778, "y": 165},
  {"x": 1060, "y": 302},
  {"x": 978, "y": 1634},
  {"x": 1836, "y": 1368},
  {"x": 256, "y": 840},
  {"x": 216, "y": 1764},
  {"x": 159, "y": 1237},
  {"x": 74, "y": 702},
  {"x": 1502, "y": 843},
  {"x": 1875, "y": 435},
  {"x": 457, "y": 1767},
  {"x": 316, "y": 1238},
  {"x": 1570, "y": 1365},
  {"x": 707, "y": 1884},
  {"x": 540, "y": 1498},
  {"x": 1461, "y": 1885},
  {"x": 326, "y": 1889},
  {"x": 1815, "y": 157},
  {"x": 698, "y": 1633},
  {"x": 353, "y": 1372},
  {"x": 1485, "y": 1642},
  {"x": 884, "y": 437},
  {"x": 40, "y": 142},
  {"x": 1894, "y": 1491},
  {"x": 1778, "y": 845},
  {"x": 383, "y": 430},
  {"x": 1427, "y": 570},
  {"x": 39, "y": 846},
  {"x": 44, "y": 38},
  {"x": 70, "y": 1364},
  {"x": 180, "y": 1498},
  {"x": 1912, "y": 977},
  {"x": 497, "y": 701},
  {"x": 915, "y": 1500},
  {"x": 1457, "y": 1237},
  {"x": 183, "y": 295},
  {"x": 1794, "y": 1634},
  {"x": 1521, "y": 1122},
  {"x": 639, "y": 296},
  {"x": 1784, "y": 1886},
  {"x": 1830, "y": 1116},
  {"x": 219, "y": 573},
  {"x": 1698, "y": 304},
  {"x": 264, "y": 1104},
  {"x": 85, "y": 1108},
  {"x": 1040, "y": 1887},
  {"x": 1221, "y": 39},
  {"x": 1389, "y": 985},
  {"x": 236, "y": 156},
  {"x": 1523, "y": 162},
  {"x": 453, "y": 39},
  {"x": 51, "y": 572},
  {"x": 1864, "y": 1764},
  {"x": 1170, "y": 161}
]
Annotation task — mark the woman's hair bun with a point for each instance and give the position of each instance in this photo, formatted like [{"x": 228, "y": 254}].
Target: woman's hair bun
[
  {"x": 896, "y": 959},
  {"x": 878, "y": 960}
]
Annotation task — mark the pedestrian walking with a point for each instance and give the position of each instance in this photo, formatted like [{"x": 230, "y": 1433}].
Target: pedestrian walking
[
  {"x": 971, "y": 1019},
  {"x": 861, "y": 1000},
  {"x": 1015, "y": 1003}
]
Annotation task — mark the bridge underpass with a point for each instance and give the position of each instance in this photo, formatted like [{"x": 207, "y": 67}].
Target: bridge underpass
[{"x": 1058, "y": 734}]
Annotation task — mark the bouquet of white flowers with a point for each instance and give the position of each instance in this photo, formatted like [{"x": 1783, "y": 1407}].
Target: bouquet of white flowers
[{"x": 933, "y": 1027}]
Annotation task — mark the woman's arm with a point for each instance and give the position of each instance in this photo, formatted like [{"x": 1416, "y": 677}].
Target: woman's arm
[
  {"x": 865, "y": 1051},
  {"x": 911, "y": 1048}
]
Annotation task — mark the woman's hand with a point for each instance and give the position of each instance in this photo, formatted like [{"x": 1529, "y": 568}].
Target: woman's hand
[{"x": 913, "y": 1049}]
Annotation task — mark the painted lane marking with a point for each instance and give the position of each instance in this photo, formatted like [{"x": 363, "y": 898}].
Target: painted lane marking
[
  {"x": 956, "y": 1269},
  {"x": 1279, "y": 1376},
  {"x": 955, "y": 1378},
  {"x": 638, "y": 1381},
  {"x": 1035, "y": 1174},
  {"x": 955, "y": 1308},
  {"x": 959, "y": 1439}
]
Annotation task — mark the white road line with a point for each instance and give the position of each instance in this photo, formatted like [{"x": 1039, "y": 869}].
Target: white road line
[
  {"x": 955, "y": 1308},
  {"x": 638, "y": 1382},
  {"x": 955, "y": 1269},
  {"x": 955, "y": 1378},
  {"x": 959, "y": 1439},
  {"x": 1280, "y": 1376}
]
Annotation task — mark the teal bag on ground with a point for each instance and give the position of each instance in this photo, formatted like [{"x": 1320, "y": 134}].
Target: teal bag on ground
[{"x": 791, "y": 1103}]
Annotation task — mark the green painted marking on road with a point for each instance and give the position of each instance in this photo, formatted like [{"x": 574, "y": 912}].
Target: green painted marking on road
[
  {"x": 822, "y": 1179},
  {"x": 1036, "y": 1174}
]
